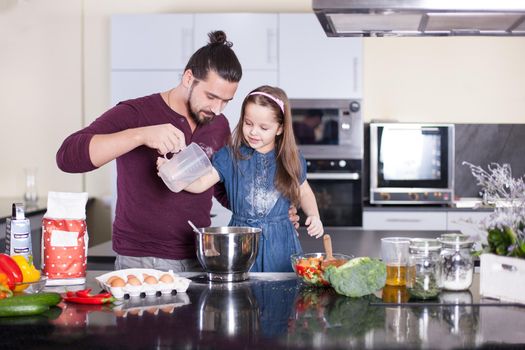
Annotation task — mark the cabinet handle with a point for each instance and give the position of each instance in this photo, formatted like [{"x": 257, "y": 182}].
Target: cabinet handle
[
  {"x": 333, "y": 176},
  {"x": 355, "y": 80},
  {"x": 270, "y": 43},
  {"x": 509, "y": 267},
  {"x": 403, "y": 220},
  {"x": 187, "y": 44}
]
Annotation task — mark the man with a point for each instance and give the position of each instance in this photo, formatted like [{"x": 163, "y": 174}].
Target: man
[{"x": 150, "y": 228}]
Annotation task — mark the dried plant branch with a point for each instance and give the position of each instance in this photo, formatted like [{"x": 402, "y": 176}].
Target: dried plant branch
[
  {"x": 506, "y": 193},
  {"x": 498, "y": 184}
]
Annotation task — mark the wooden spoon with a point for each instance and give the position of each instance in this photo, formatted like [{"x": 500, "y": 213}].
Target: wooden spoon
[{"x": 327, "y": 242}]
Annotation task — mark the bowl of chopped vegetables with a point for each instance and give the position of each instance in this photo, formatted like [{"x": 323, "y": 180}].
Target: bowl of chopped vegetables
[{"x": 310, "y": 267}]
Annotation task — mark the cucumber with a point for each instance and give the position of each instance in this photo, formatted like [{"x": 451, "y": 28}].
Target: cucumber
[
  {"x": 47, "y": 299},
  {"x": 16, "y": 310}
]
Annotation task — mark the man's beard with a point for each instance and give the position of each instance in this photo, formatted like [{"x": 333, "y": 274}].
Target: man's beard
[{"x": 194, "y": 115}]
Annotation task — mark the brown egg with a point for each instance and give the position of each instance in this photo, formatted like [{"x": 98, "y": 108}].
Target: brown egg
[
  {"x": 152, "y": 310},
  {"x": 117, "y": 282},
  {"x": 109, "y": 280},
  {"x": 167, "y": 309},
  {"x": 150, "y": 280},
  {"x": 166, "y": 278},
  {"x": 119, "y": 313},
  {"x": 134, "y": 281}
]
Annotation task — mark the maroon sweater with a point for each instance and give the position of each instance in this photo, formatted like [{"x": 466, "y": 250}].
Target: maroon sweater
[{"x": 150, "y": 220}]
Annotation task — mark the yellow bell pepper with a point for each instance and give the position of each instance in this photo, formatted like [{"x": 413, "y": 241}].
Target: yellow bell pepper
[{"x": 29, "y": 272}]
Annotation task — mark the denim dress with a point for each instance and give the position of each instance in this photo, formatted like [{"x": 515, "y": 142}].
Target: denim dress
[{"x": 255, "y": 202}]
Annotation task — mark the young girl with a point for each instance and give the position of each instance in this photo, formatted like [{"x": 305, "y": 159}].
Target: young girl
[{"x": 264, "y": 173}]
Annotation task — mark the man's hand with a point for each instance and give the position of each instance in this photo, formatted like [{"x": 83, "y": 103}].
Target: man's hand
[
  {"x": 164, "y": 138},
  {"x": 292, "y": 215}
]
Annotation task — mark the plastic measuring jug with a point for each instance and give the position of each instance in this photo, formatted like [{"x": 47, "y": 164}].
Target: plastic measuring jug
[{"x": 185, "y": 167}]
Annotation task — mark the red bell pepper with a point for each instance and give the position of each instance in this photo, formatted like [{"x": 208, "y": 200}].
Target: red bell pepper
[
  {"x": 11, "y": 269},
  {"x": 94, "y": 300},
  {"x": 83, "y": 293},
  {"x": 5, "y": 292},
  {"x": 83, "y": 297}
]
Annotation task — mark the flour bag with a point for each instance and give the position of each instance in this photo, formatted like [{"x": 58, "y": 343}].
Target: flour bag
[{"x": 65, "y": 239}]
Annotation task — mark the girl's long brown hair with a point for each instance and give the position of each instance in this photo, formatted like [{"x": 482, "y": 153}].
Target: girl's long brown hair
[{"x": 288, "y": 170}]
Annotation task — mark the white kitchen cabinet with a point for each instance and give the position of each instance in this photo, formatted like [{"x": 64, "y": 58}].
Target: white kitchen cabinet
[
  {"x": 151, "y": 41},
  {"x": 405, "y": 220},
  {"x": 254, "y": 36},
  {"x": 312, "y": 65},
  {"x": 467, "y": 222},
  {"x": 132, "y": 84}
]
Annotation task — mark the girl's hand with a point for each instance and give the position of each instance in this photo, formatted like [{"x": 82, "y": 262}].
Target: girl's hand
[
  {"x": 160, "y": 162},
  {"x": 315, "y": 226}
]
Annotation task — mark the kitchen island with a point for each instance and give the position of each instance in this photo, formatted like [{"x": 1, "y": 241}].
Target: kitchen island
[{"x": 272, "y": 311}]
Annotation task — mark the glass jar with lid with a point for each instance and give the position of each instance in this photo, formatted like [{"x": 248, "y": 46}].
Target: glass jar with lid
[
  {"x": 424, "y": 269},
  {"x": 457, "y": 262}
]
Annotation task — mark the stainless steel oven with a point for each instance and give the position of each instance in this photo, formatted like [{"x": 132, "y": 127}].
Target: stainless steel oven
[
  {"x": 329, "y": 134},
  {"x": 338, "y": 188},
  {"x": 411, "y": 163}
]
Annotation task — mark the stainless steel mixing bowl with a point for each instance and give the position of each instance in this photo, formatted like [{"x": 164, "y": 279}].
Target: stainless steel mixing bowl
[{"x": 227, "y": 253}]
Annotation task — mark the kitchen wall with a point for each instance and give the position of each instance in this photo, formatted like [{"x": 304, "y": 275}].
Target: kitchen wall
[
  {"x": 445, "y": 79},
  {"x": 54, "y": 79}
]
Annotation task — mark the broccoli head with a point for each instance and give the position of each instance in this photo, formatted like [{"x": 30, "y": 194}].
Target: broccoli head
[{"x": 357, "y": 277}]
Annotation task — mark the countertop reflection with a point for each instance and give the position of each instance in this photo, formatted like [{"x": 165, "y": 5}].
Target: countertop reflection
[{"x": 272, "y": 311}]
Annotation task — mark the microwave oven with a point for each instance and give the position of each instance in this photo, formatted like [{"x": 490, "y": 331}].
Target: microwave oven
[
  {"x": 411, "y": 163},
  {"x": 328, "y": 128}
]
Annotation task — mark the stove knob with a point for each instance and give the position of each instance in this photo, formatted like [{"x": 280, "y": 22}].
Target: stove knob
[
  {"x": 342, "y": 163},
  {"x": 385, "y": 196},
  {"x": 354, "y": 106},
  {"x": 414, "y": 196}
]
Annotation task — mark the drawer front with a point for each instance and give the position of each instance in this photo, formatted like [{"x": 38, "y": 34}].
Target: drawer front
[
  {"x": 469, "y": 223},
  {"x": 406, "y": 220}
]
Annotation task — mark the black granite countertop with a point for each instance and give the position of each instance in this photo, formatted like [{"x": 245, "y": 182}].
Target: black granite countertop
[{"x": 271, "y": 311}]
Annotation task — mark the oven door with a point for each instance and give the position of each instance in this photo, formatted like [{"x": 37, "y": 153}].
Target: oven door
[{"x": 339, "y": 198}]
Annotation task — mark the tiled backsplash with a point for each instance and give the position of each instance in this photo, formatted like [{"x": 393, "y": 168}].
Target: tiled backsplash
[{"x": 482, "y": 144}]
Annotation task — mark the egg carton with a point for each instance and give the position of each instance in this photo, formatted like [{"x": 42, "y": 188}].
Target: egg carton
[{"x": 179, "y": 284}]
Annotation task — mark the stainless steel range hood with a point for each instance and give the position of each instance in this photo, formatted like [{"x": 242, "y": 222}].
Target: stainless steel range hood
[{"x": 421, "y": 17}]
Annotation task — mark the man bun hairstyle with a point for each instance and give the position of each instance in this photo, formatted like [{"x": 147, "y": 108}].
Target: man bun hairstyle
[
  {"x": 218, "y": 56},
  {"x": 219, "y": 37}
]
